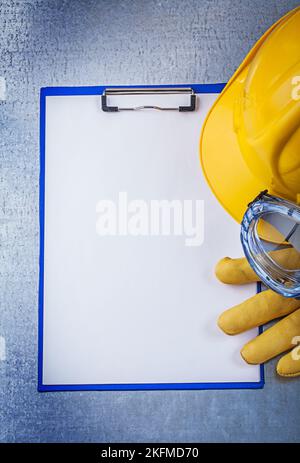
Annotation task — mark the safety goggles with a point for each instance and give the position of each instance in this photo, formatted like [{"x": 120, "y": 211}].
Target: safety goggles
[{"x": 270, "y": 235}]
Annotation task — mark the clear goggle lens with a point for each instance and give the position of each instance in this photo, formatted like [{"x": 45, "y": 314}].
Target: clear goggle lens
[{"x": 270, "y": 235}]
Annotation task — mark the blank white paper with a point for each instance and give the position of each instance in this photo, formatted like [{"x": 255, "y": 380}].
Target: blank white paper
[{"x": 124, "y": 309}]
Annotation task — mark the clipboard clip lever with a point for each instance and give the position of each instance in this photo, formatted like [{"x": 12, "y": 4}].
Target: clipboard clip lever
[{"x": 148, "y": 91}]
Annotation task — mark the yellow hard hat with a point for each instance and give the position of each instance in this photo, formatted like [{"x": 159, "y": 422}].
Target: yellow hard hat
[{"x": 250, "y": 140}]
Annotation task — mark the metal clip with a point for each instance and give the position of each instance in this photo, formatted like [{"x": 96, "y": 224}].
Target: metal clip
[{"x": 149, "y": 91}]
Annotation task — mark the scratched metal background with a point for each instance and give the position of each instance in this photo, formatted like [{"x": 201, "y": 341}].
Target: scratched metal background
[{"x": 89, "y": 42}]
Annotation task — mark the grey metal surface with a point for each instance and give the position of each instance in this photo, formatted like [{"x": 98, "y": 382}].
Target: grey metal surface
[{"x": 89, "y": 42}]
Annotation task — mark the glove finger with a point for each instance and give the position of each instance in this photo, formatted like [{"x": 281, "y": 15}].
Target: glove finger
[
  {"x": 239, "y": 271},
  {"x": 277, "y": 339},
  {"x": 256, "y": 311},
  {"x": 289, "y": 364},
  {"x": 235, "y": 271}
]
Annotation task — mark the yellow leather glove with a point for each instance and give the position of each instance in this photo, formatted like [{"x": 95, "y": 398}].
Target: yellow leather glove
[{"x": 260, "y": 309}]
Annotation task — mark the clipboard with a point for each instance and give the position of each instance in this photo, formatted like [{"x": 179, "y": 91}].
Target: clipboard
[{"x": 121, "y": 311}]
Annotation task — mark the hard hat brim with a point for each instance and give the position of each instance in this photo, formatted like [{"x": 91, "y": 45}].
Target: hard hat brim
[{"x": 223, "y": 165}]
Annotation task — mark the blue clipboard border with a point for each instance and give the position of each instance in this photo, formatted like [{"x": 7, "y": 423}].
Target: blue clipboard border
[{"x": 98, "y": 90}]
